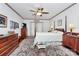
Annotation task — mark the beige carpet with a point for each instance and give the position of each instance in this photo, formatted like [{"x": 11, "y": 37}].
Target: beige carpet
[{"x": 25, "y": 49}]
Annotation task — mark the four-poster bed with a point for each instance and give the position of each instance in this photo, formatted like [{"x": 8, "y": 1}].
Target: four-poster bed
[{"x": 47, "y": 37}]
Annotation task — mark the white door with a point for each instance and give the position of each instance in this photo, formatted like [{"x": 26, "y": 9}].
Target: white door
[
  {"x": 32, "y": 31},
  {"x": 39, "y": 27}
]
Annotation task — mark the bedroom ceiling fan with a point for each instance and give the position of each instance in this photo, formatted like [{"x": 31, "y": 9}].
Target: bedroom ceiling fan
[{"x": 39, "y": 11}]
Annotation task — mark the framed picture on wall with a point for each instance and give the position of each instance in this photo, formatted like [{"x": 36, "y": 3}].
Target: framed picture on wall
[
  {"x": 59, "y": 22},
  {"x": 14, "y": 25},
  {"x": 11, "y": 24},
  {"x": 3, "y": 21}
]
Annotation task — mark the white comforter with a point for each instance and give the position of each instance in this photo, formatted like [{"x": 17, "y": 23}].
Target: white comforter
[{"x": 48, "y": 37}]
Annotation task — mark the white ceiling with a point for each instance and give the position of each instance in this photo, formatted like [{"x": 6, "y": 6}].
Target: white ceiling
[{"x": 24, "y": 9}]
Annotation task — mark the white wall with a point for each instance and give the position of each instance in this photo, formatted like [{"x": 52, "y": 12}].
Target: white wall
[
  {"x": 11, "y": 15},
  {"x": 45, "y": 25},
  {"x": 72, "y": 18}
]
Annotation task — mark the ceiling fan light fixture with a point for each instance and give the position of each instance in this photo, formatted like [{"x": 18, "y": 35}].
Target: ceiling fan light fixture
[{"x": 39, "y": 13}]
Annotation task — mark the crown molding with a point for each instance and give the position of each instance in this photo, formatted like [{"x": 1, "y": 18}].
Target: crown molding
[
  {"x": 21, "y": 15},
  {"x": 34, "y": 19},
  {"x": 13, "y": 10},
  {"x": 39, "y": 19},
  {"x": 63, "y": 10}
]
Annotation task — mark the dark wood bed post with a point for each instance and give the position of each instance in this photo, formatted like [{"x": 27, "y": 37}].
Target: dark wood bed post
[
  {"x": 54, "y": 25},
  {"x": 35, "y": 26},
  {"x": 65, "y": 23}
]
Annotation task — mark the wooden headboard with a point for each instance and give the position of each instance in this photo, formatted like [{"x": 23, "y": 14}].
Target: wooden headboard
[
  {"x": 73, "y": 33},
  {"x": 60, "y": 29}
]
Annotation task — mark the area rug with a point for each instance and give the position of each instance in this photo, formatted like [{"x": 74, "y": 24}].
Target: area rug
[{"x": 25, "y": 49}]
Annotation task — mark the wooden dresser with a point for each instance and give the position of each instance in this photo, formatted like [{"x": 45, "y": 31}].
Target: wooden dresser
[
  {"x": 23, "y": 33},
  {"x": 71, "y": 41},
  {"x": 8, "y": 43}
]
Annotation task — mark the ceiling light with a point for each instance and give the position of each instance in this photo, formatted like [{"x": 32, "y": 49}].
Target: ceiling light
[{"x": 39, "y": 13}]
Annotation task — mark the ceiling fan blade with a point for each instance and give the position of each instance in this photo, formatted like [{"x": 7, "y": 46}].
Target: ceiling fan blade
[
  {"x": 41, "y": 15},
  {"x": 38, "y": 8},
  {"x": 45, "y": 12},
  {"x": 42, "y": 9},
  {"x": 32, "y": 10},
  {"x": 34, "y": 14}
]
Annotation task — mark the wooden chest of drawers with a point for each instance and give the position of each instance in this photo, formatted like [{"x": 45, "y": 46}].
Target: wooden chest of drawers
[
  {"x": 71, "y": 41},
  {"x": 8, "y": 44},
  {"x": 23, "y": 34}
]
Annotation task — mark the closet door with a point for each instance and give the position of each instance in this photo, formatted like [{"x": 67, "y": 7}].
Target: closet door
[
  {"x": 32, "y": 31},
  {"x": 39, "y": 27}
]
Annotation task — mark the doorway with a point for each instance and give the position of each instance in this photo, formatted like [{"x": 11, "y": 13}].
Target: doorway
[{"x": 39, "y": 28}]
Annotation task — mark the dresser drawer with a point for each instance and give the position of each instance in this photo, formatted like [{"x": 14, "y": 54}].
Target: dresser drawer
[{"x": 7, "y": 46}]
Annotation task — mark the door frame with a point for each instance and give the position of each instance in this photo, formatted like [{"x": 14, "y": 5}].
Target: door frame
[{"x": 34, "y": 27}]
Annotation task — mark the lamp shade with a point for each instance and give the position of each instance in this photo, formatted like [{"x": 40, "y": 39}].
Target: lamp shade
[
  {"x": 51, "y": 26},
  {"x": 71, "y": 26}
]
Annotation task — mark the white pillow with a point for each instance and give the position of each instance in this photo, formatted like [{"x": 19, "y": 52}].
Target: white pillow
[{"x": 55, "y": 31}]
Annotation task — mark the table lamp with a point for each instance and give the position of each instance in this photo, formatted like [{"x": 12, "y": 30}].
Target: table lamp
[
  {"x": 51, "y": 28},
  {"x": 71, "y": 26}
]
